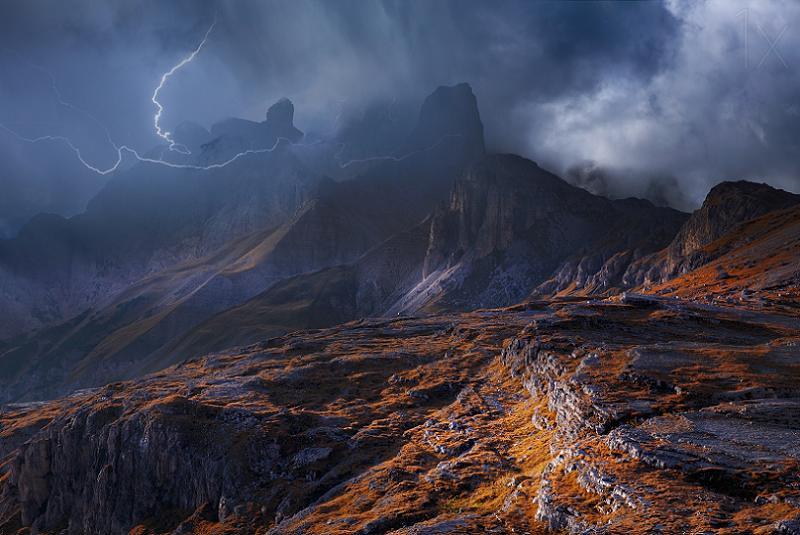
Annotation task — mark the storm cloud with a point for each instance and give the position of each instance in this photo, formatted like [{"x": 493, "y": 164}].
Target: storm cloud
[{"x": 653, "y": 99}]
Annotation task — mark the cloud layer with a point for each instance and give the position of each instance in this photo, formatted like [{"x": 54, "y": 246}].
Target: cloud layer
[{"x": 656, "y": 99}]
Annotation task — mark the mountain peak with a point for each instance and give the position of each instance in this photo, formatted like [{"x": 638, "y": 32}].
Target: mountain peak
[
  {"x": 280, "y": 120},
  {"x": 726, "y": 206},
  {"x": 450, "y": 111},
  {"x": 279, "y": 123},
  {"x": 756, "y": 191},
  {"x": 281, "y": 113}
]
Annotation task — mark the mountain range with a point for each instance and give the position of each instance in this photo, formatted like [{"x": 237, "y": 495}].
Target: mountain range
[
  {"x": 393, "y": 330},
  {"x": 169, "y": 263}
]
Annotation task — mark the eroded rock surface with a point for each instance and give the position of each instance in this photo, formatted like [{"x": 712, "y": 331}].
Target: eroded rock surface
[{"x": 638, "y": 414}]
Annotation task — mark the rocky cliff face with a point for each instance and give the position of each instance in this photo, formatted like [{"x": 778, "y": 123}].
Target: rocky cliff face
[
  {"x": 510, "y": 225},
  {"x": 504, "y": 210},
  {"x": 634, "y": 231},
  {"x": 450, "y": 112},
  {"x": 727, "y": 206},
  {"x": 754, "y": 264}
]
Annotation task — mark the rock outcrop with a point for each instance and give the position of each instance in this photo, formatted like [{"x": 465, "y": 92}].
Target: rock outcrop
[
  {"x": 727, "y": 206},
  {"x": 450, "y": 112},
  {"x": 633, "y": 415},
  {"x": 234, "y": 135},
  {"x": 647, "y": 424},
  {"x": 280, "y": 118},
  {"x": 510, "y": 226}
]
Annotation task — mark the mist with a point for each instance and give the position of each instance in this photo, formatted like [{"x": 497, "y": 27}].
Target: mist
[{"x": 660, "y": 100}]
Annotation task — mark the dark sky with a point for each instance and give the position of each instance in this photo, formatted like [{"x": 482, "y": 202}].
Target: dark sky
[{"x": 655, "y": 99}]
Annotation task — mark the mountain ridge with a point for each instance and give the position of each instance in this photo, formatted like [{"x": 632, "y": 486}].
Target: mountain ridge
[
  {"x": 334, "y": 223},
  {"x": 445, "y": 228}
]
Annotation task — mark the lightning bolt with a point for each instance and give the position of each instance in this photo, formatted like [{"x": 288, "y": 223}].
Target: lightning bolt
[
  {"x": 72, "y": 146},
  {"x": 167, "y": 136},
  {"x": 62, "y": 102},
  {"x": 121, "y": 150},
  {"x": 125, "y": 149},
  {"x": 57, "y": 93}
]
